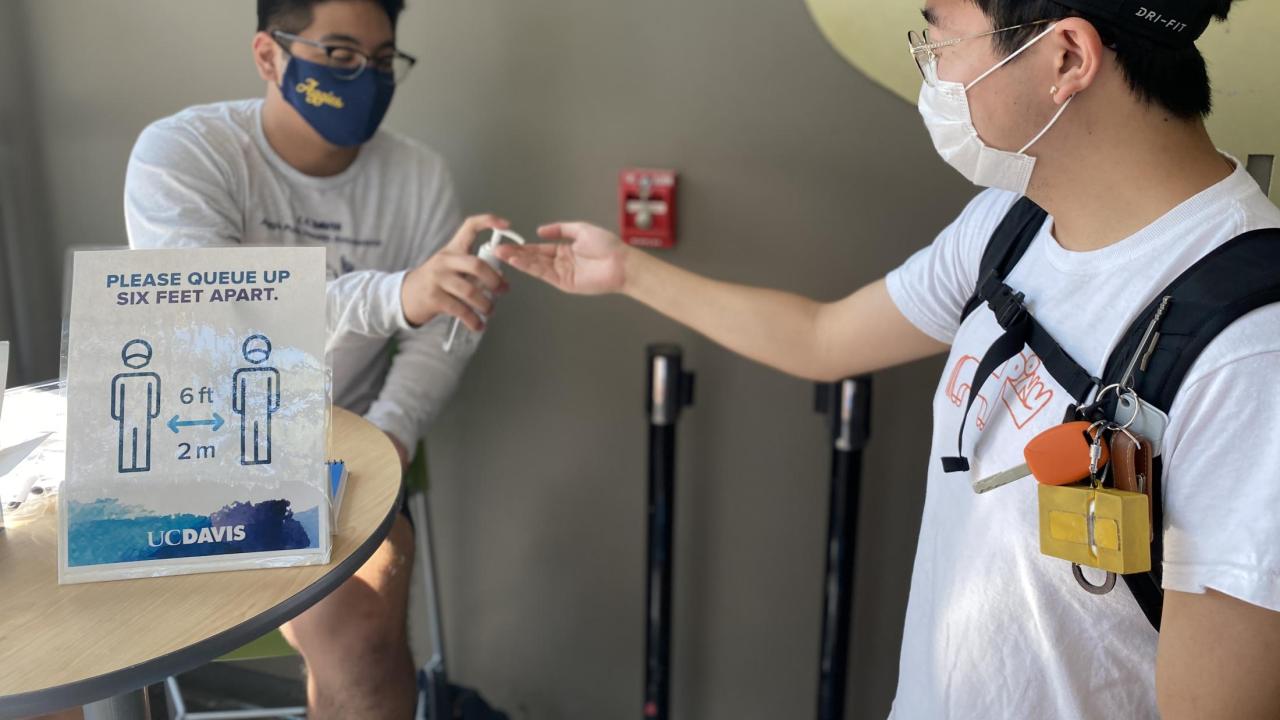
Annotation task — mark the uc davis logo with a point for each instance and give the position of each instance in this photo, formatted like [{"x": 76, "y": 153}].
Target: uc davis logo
[{"x": 190, "y": 536}]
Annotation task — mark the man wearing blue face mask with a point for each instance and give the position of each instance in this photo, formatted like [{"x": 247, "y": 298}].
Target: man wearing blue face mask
[
  {"x": 1092, "y": 110},
  {"x": 308, "y": 163}
]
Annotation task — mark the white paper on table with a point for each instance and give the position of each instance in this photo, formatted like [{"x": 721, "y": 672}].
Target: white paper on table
[
  {"x": 11, "y": 457},
  {"x": 34, "y": 420},
  {"x": 15, "y": 487}
]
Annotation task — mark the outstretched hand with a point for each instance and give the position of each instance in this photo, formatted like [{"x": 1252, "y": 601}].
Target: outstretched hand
[{"x": 581, "y": 259}]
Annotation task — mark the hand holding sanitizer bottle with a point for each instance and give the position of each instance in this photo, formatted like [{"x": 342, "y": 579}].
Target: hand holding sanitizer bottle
[{"x": 468, "y": 339}]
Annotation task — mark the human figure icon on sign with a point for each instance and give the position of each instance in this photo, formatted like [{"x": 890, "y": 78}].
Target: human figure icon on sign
[
  {"x": 255, "y": 397},
  {"x": 135, "y": 402}
]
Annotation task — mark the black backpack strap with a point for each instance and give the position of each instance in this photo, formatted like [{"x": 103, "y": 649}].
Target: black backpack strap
[
  {"x": 1008, "y": 244},
  {"x": 1235, "y": 279},
  {"x": 1021, "y": 330}
]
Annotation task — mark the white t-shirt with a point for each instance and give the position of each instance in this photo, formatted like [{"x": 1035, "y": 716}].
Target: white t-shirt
[
  {"x": 994, "y": 629},
  {"x": 207, "y": 176}
]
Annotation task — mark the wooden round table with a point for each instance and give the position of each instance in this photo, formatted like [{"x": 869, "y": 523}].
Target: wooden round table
[{"x": 62, "y": 646}]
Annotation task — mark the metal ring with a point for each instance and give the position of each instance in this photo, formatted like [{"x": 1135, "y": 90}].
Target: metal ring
[
  {"x": 1125, "y": 429},
  {"x": 1107, "y": 585},
  {"x": 1098, "y": 395},
  {"x": 1102, "y": 393}
]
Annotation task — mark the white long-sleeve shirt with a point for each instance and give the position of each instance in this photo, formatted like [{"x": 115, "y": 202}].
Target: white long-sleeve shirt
[{"x": 207, "y": 176}]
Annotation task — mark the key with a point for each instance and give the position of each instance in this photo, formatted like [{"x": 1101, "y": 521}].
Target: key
[
  {"x": 1132, "y": 466},
  {"x": 1061, "y": 455},
  {"x": 1142, "y": 419}
]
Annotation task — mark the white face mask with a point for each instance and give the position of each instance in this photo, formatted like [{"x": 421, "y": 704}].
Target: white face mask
[{"x": 945, "y": 108}]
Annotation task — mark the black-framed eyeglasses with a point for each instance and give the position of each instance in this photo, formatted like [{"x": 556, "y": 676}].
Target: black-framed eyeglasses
[{"x": 347, "y": 62}]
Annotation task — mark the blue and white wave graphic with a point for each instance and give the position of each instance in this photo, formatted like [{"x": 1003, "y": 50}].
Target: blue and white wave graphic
[{"x": 105, "y": 532}]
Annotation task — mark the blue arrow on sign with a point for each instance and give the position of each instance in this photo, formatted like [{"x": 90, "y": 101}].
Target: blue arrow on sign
[{"x": 175, "y": 423}]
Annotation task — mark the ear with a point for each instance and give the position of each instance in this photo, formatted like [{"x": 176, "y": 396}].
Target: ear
[
  {"x": 1078, "y": 57},
  {"x": 269, "y": 58}
]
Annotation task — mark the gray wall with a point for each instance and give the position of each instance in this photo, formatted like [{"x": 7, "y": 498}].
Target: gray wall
[
  {"x": 798, "y": 173},
  {"x": 28, "y": 288}
]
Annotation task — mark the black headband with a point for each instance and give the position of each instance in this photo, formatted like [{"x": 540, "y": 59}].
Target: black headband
[{"x": 1173, "y": 23}]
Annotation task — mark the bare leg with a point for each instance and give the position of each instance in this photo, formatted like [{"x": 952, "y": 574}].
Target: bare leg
[{"x": 354, "y": 641}]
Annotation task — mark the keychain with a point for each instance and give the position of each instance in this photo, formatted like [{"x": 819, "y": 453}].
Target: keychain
[
  {"x": 1094, "y": 526},
  {"x": 1061, "y": 455}
]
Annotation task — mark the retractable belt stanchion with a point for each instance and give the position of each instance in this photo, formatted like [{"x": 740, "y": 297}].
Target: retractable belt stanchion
[
  {"x": 670, "y": 389},
  {"x": 847, "y": 406}
]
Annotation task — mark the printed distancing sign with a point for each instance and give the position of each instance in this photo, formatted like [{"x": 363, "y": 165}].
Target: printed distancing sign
[{"x": 197, "y": 408}]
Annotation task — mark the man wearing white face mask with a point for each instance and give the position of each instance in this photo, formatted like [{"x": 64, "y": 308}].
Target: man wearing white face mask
[
  {"x": 945, "y": 108},
  {"x": 1094, "y": 110}
]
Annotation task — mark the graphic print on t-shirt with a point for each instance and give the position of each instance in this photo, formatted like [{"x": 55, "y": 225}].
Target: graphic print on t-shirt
[
  {"x": 315, "y": 230},
  {"x": 1021, "y": 389}
]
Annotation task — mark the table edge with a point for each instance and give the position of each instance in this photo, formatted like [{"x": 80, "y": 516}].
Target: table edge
[{"x": 158, "y": 668}]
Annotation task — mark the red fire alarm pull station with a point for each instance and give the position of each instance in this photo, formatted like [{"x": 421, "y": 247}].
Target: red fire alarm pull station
[{"x": 648, "y": 207}]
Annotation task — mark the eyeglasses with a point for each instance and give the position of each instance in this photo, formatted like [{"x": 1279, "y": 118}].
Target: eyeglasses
[
  {"x": 348, "y": 62},
  {"x": 922, "y": 48}
]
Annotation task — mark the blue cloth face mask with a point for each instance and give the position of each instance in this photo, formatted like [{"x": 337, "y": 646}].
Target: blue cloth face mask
[{"x": 344, "y": 112}]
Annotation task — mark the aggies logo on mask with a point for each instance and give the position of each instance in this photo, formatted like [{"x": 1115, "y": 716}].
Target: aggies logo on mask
[{"x": 310, "y": 89}]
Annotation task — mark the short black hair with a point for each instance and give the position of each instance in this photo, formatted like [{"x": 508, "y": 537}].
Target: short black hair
[
  {"x": 294, "y": 16},
  {"x": 1174, "y": 78}
]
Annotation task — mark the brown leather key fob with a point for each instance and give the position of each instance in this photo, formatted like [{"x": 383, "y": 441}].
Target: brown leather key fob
[{"x": 1132, "y": 466}]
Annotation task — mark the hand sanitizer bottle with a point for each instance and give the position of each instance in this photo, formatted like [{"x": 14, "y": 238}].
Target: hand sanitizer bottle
[{"x": 461, "y": 338}]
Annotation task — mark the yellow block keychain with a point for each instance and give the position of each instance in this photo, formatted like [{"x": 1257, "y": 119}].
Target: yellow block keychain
[{"x": 1094, "y": 526}]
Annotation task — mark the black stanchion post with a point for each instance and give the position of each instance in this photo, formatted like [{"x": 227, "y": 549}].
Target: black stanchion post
[
  {"x": 847, "y": 405},
  {"x": 670, "y": 389}
]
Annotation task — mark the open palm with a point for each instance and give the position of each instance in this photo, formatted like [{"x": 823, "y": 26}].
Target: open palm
[{"x": 591, "y": 262}]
